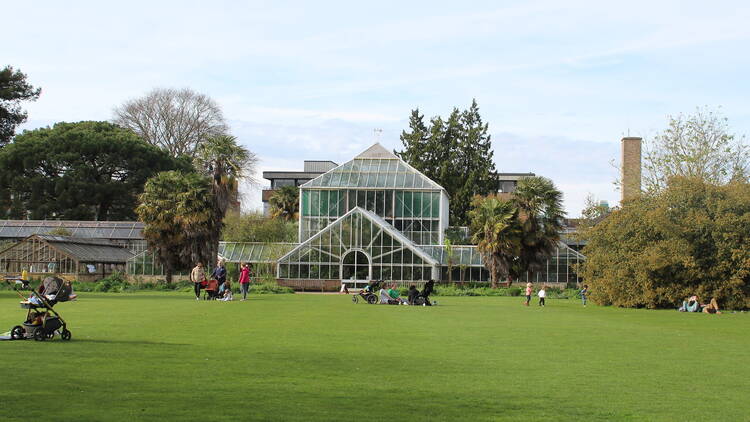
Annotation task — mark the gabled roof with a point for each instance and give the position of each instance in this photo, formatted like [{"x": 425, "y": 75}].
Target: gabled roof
[
  {"x": 121, "y": 230},
  {"x": 374, "y": 168},
  {"x": 377, "y": 151},
  {"x": 378, "y": 222},
  {"x": 253, "y": 252},
  {"x": 83, "y": 250}
]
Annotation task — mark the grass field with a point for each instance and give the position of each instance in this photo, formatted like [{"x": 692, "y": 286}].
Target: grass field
[{"x": 163, "y": 356}]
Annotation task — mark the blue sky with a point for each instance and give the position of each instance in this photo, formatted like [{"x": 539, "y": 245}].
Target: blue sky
[{"x": 559, "y": 82}]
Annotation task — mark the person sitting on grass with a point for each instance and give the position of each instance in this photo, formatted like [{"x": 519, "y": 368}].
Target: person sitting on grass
[
  {"x": 690, "y": 305},
  {"x": 225, "y": 292},
  {"x": 394, "y": 294},
  {"x": 386, "y": 298},
  {"x": 712, "y": 307}
]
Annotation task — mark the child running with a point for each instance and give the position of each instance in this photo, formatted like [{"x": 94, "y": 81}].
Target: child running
[
  {"x": 528, "y": 293},
  {"x": 542, "y": 294}
]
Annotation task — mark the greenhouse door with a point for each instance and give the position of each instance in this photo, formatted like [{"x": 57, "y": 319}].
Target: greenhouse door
[{"x": 356, "y": 267}]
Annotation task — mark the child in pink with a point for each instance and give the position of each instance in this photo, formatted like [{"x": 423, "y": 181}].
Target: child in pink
[{"x": 529, "y": 290}]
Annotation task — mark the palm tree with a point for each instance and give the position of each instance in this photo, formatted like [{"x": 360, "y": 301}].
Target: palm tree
[
  {"x": 497, "y": 234},
  {"x": 285, "y": 203},
  {"x": 176, "y": 210},
  {"x": 541, "y": 216},
  {"x": 227, "y": 163}
]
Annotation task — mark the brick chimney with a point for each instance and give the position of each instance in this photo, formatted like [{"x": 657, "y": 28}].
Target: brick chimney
[{"x": 631, "y": 167}]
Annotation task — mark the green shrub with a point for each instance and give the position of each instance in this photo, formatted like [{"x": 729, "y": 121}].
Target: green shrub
[{"x": 269, "y": 288}]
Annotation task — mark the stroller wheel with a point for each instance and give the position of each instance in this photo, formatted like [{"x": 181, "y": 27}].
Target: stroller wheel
[
  {"x": 17, "y": 333},
  {"x": 372, "y": 299},
  {"x": 355, "y": 299},
  {"x": 40, "y": 335},
  {"x": 50, "y": 335},
  {"x": 65, "y": 335}
]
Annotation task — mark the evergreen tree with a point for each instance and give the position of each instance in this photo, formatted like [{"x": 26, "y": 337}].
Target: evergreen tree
[
  {"x": 13, "y": 90},
  {"x": 455, "y": 153}
]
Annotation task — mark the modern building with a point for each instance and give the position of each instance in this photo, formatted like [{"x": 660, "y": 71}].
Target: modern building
[{"x": 311, "y": 170}]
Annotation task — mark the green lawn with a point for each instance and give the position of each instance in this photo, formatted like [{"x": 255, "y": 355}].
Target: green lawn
[{"x": 157, "y": 356}]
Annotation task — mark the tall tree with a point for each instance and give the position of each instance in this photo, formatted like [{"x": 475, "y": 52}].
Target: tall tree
[
  {"x": 177, "y": 120},
  {"x": 697, "y": 145},
  {"x": 13, "y": 90},
  {"x": 78, "y": 171},
  {"x": 285, "y": 203},
  {"x": 456, "y": 153},
  {"x": 179, "y": 219},
  {"x": 497, "y": 234},
  {"x": 226, "y": 163},
  {"x": 540, "y": 216}
]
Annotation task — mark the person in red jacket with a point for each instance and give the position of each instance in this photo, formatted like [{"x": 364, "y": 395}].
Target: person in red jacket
[{"x": 245, "y": 280}]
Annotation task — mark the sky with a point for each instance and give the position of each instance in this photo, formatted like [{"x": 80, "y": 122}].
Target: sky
[{"x": 560, "y": 83}]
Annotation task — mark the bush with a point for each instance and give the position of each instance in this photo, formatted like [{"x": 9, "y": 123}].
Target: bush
[{"x": 270, "y": 288}]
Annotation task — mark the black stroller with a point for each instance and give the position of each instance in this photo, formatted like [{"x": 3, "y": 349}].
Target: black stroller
[
  {"x": 369, "y": 294},
  {"x": 423, "y": 297},
  {"x": 42, "y": 321}
]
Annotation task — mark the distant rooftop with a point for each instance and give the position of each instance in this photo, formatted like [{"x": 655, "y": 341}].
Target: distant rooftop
[{"x": 122, "y": 230}]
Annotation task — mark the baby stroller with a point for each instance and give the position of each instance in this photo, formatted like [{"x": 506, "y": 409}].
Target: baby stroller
[
  {"x": 369, "y": 293},
  {"x": 42, "y": 321},
  {"x": 423, "y": 298},
  {"x": 211, "y": 290}
]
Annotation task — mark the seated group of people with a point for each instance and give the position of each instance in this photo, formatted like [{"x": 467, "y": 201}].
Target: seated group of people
[
  {"x": 692, "y": 304},
  {"x": 391, "y": 295}
]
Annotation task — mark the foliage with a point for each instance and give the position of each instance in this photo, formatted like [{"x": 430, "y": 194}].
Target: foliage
[
  {"x": 285, "y": 203},
  {"x": 77, "y": 171},
  {"x": 455, "y": 153},
  {"x": 13, "y": 90},
  {"x": 696, "y": 146},
  {"x": 691, "y": 238},
  {"x": 176, "y": 120},
  {"x": 179, "y": 219},
  {"x": 497, "y": 234},
  {"x": 60, "y": 231},
  {"x": 458, "y": 235},
  {"x": 226, "y": 163},
  {"x": 269, "y": 288},
  {"x": 258, "y": 228},
  {"x": 540, "y": 215}
]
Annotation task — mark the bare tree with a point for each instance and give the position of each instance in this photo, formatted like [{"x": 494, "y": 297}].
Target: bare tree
[
  {"x": 697, "y": 145},
  {"x": 176, "y": 120}
]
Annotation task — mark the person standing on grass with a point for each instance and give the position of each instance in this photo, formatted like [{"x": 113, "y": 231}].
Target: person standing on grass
[
  {"x": 529, "y": 290},
  {"x": 198, "y": 276},
  {"x": 219, "y": 273},
  {"x": 584, "y": 292},
  {"x": 542, "y": 294},
  {"x": 244, "y": 280}
]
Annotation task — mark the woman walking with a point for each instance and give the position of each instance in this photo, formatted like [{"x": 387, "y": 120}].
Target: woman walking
[
  {"x": 198, "y": 276},
  {"x": 245, "y": 280}
]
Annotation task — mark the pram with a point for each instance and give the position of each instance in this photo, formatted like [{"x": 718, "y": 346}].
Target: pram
[
  {"x": 423, "y": 298},
  {"x": 42, "y": 321},
  {"x": 211, "y": 290},
  {"x": 369, "y": 293}
]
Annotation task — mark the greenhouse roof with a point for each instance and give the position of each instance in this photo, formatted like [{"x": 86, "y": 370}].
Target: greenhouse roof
[
  {"x": 375, "y": 168},
  {"x": 253, "y": 252},
  {"x": 469, "y": 255},
  {"x": 124, "y": 230},
  {"x": 83, "y": 250}
]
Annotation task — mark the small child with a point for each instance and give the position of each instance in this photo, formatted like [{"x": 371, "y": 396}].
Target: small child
[
  {"x": 542, "y": 294},
  {"x": 227, "y": 291},
  {"x": 528, "y": 293},
  {"x": 584, "y": 292}
]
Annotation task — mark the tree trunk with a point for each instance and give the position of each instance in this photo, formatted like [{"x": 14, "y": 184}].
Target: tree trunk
[{"x": 168, "y": 275}]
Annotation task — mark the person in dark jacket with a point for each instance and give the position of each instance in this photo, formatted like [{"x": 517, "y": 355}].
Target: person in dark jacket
[
  {"x": 219, "y": 273},
  {"x": 429, "y": 287},
  {"x": 413, "y": 294}
]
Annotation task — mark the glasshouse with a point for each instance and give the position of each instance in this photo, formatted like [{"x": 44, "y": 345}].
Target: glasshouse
[
  {"x": 376, "y": 217},
  {"x": 76, "y": 257}
]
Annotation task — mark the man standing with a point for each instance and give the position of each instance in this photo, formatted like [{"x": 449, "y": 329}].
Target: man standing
[{"x": 198, "y": 276}]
